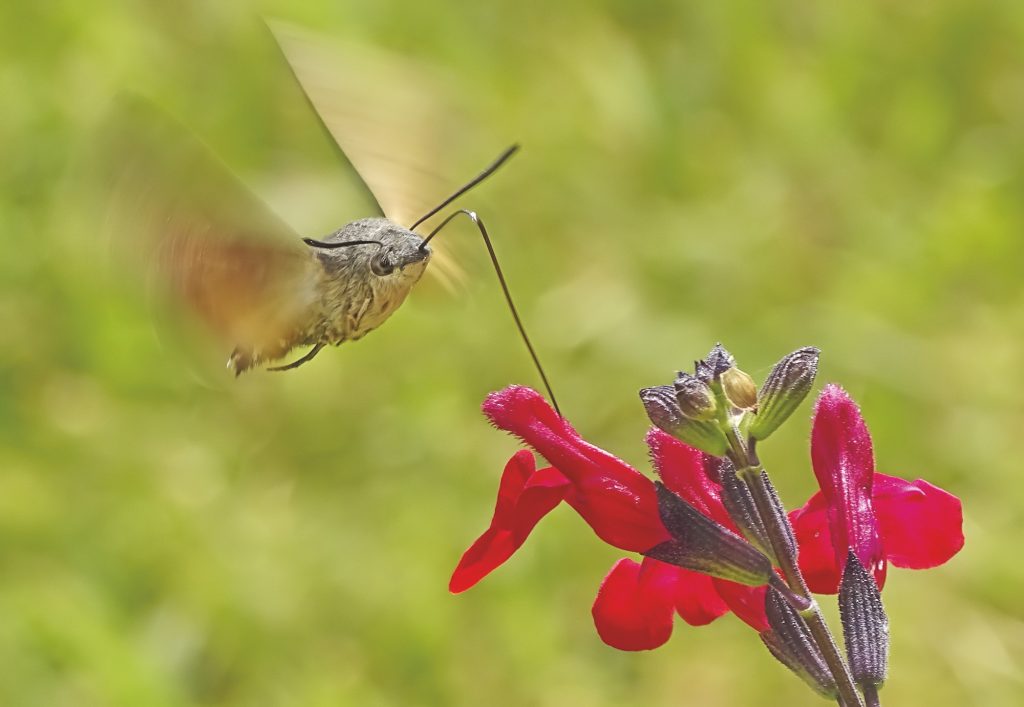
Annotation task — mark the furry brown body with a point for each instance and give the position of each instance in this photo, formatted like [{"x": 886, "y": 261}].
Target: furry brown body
[{"x": 337, "y": 292}]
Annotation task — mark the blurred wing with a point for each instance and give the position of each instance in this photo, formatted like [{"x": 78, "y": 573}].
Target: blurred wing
[
  {"x": 386, "y": 113},
  {"x": 206, "y": 237}
]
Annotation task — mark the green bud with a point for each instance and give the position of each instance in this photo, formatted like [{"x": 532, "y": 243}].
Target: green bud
[
  {"x": 786, "y": 387},
  {"x": 696, "y": 401},
  {"x": 739, "y": 388},
  {"x": 663, "y": 410}
]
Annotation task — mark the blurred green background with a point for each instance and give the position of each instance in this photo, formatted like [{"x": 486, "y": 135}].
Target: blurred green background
[{"x": 770, "y": 175}]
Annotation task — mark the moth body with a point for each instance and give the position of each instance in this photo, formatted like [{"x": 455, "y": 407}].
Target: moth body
[{"x": 346, "y": 291}]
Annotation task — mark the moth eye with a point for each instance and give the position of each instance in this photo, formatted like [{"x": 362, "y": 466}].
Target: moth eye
[{"x": 382, "y": 265}]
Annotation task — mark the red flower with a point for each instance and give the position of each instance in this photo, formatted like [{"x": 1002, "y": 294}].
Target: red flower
[
  {"x": 615, "y": 499},
  {"x": 912, "y": 524},
  {"x": 637, "y": 602}
]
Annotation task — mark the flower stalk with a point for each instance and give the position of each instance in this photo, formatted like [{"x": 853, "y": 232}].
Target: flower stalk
[
  {"x": 749, "y": 468},
  {"x": 743, "y": 456}
]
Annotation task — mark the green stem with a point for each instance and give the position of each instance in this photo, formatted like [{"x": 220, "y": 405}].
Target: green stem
[{"x": 748, "y": 467}]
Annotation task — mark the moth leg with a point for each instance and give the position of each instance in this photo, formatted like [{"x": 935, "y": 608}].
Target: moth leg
[{"x": 298, "y": 362}]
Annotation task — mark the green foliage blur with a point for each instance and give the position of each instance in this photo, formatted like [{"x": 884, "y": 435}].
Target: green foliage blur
[{"x": 848, "y": 175}]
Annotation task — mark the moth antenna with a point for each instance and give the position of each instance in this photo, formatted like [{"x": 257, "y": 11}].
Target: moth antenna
[
  {"x": 313, "y": 243},
  {"x": 471, "y": 215},
  {"x": 488, "y": 171}
]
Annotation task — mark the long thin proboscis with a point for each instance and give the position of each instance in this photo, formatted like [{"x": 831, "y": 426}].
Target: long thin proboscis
[{"x": 504, "y": 286}]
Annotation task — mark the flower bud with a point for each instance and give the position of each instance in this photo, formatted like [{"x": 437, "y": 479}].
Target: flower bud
[
  {"x": 717, "y": 362},
  {"x": 786, "y": 387},
  {"x": 695, "y": 398},
  {"x": 739, "y": 388},
  {"x": 865, "y": 624},
  {"x": 662, "y": 407},
  {"x": 663, "y": 410}
]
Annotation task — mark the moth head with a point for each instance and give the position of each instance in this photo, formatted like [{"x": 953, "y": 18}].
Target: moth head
[
  {"x": 390, "y": 253},
  {"x": 400, "y": 250}
]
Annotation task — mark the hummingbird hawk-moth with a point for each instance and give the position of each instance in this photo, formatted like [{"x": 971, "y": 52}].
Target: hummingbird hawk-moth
[{"x": 248, "y": 275}]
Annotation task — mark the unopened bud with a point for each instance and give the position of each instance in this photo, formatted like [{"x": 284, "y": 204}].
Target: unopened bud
[
  {"x": 865, "y": 625},
  {"x": 740, "y": 389},
  {"x": 662, "y": 407},
  {"x": 663, "y": 410},
  {"x": 717, "y": 362},
  {"x": 786, "y": 387},
  {"x": 695, "y": 398}
]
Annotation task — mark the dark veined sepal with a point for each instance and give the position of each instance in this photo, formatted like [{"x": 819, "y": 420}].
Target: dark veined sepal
[
  {"x": 663, "y": 409},
  {"x": 780, "y": 519},
  {"x": 865, "y": 625},
  {"x": 787, "y": 385},
  {"x": 790, "y": 641},
  {"x": 739, "y": 504},
  {"x": 702, "y": 545}
]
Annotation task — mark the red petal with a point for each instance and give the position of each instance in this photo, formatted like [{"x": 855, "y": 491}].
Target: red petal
[
  {"x": 746, "y": 602},
  {"x": 844, "y": 464},
  {"x": 634, "y": 608},
  {"x": 616, "y": 500},
  {"x": 922, "y": 525},
  {"x": 683, "y": 470},
  {"x": 697, "y": 600},
  {"x": 513, "y": 479},
  {"x": 817, "y": 559},
  {"x": 524, "y": 497}
]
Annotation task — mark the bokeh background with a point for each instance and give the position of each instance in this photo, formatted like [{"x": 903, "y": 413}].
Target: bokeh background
[{"x": 770, "y": 175}]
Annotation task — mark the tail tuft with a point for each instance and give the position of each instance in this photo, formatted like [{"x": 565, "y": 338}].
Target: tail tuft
[{"x": 241, "y": 361}]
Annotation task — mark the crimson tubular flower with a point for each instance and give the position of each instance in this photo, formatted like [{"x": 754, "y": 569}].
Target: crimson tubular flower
[{"x": 881, "y": 518}]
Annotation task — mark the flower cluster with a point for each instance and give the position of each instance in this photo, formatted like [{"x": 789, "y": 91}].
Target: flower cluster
[{"x": 699, "y": 526}]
